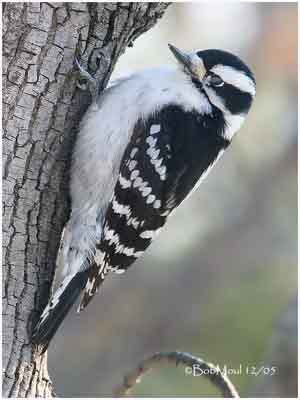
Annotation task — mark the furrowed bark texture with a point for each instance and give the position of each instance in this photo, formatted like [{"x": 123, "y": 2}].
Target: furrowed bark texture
[{"x": 41, "y": 110}]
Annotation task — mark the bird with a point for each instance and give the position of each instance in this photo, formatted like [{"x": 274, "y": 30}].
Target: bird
[{"x": 143, "y": 146}]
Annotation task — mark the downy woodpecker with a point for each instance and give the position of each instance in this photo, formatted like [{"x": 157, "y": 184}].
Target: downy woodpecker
[{"x": 143, "y": 145}]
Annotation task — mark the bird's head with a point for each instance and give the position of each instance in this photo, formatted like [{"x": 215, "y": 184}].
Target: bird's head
[{"x": 226, "y": 81}]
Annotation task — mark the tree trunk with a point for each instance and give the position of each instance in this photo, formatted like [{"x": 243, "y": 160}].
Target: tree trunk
[{"x": 41, "y": 110}]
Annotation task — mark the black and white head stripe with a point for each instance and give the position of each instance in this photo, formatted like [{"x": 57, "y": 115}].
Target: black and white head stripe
[
  {"x": 236, "y": 78},
  {"x": 236, "y": 93},
  {"x": 213, "y": 58},
  {"x": 227, "y": 83},
  {"x": 165, "y": 159}
]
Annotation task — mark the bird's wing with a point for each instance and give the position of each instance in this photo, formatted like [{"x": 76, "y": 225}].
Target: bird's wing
[{"x": 165, "y": 158}]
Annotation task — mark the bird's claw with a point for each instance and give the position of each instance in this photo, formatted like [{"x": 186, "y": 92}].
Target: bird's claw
[{"x": 90, "y": 82}]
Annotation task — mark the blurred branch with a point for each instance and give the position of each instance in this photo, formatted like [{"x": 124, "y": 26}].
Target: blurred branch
[{"x": 195, "y": 365}]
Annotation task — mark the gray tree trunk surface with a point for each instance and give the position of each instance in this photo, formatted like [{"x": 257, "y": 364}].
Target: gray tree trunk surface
[{"x": 41, "y": 110}]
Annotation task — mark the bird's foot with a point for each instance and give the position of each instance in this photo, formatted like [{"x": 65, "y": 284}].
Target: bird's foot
[{"x": 86, "y": 81}]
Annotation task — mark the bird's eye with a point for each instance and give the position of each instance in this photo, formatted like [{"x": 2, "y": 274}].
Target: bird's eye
[{"x": 216, "y": 81}]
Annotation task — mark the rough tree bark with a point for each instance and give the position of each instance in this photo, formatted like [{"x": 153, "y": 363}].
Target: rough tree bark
[{"x": 41, "y": 109}]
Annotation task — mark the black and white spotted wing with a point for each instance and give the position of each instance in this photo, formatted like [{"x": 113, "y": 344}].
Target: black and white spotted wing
[{"x": 164, "y": 160}]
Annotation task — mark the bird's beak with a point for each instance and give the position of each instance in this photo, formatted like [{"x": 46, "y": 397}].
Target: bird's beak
[{"x": 191, "y": 62}]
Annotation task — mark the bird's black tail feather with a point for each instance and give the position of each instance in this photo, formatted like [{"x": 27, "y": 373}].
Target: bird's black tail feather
[{"x": 59, "y": 305}]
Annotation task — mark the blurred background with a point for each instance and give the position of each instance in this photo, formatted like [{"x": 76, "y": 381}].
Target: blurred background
[{"x": 221, "y": 280}]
